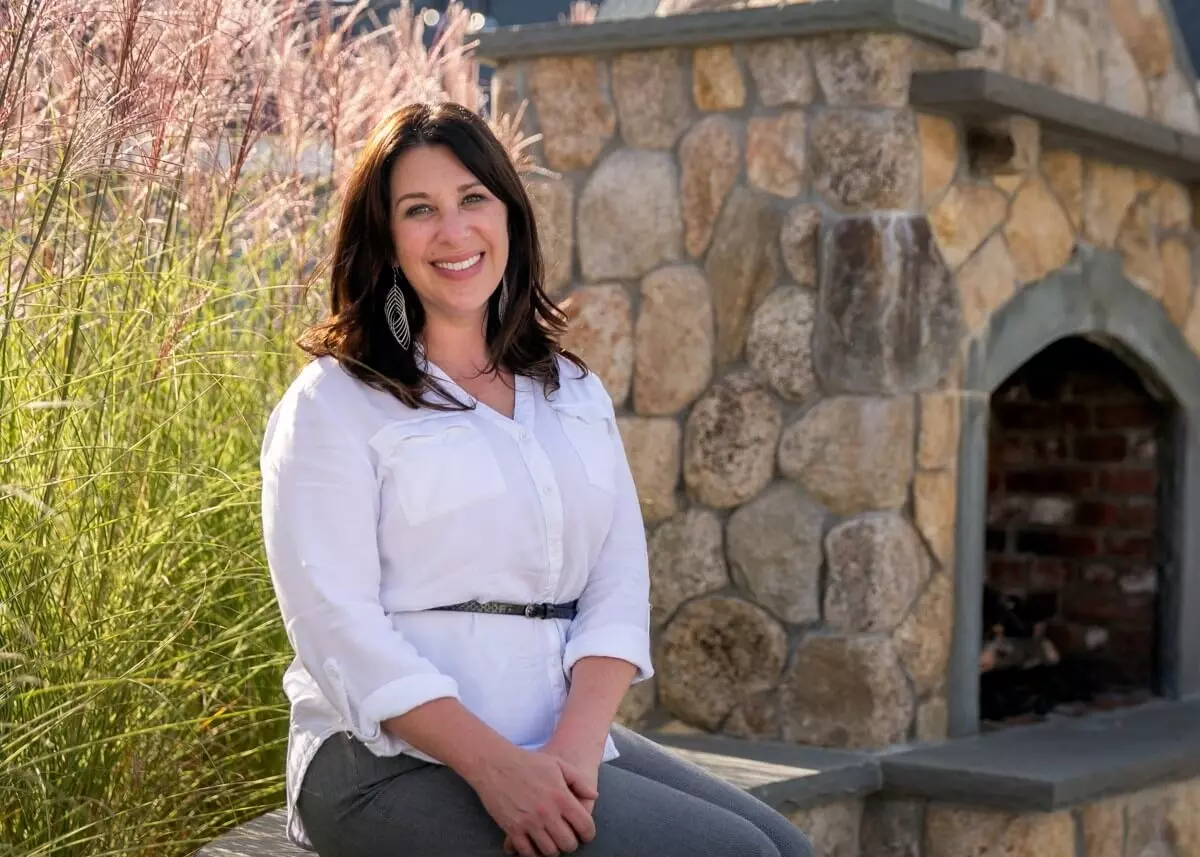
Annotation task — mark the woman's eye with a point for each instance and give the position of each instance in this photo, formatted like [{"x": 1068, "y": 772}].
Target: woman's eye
[
  {"x": 417, "y": 209},
  {"x": 475, "y": 197}
]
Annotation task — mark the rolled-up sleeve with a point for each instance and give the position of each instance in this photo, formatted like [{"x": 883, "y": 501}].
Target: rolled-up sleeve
[
  {"x": 320, "y": 508},
  {"x": 614, "y": 609}
]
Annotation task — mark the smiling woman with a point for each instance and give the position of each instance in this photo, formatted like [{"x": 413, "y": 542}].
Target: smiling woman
[{"x": 457, "y": 547}]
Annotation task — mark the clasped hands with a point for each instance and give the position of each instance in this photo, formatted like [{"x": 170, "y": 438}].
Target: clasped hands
[{"x": 542, "y": 799}]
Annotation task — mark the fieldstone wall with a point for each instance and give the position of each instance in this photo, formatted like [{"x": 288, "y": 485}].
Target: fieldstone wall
[
  {"x": 1159, "y": 822},
  {"x": 774, "y": 264},
  {"x": 1115, "y": 52}
]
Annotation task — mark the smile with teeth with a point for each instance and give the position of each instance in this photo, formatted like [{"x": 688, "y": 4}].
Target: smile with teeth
[{"x": 459, "y": 266}]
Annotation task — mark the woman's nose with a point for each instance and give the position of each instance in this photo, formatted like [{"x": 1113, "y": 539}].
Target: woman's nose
[{"x": 453, "y": 228}]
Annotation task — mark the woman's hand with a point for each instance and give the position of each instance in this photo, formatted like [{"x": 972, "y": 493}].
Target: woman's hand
[
  {"x": 536, "y": 798},
  {"x": 588, "y": 769}
]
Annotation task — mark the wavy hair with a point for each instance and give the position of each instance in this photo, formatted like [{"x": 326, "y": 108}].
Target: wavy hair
[{"x": 356, "y": 331}]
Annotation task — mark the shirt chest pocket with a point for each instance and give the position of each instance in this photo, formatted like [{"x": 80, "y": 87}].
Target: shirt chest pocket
[
  {"x": 436, "y": 466},
  {"x": 589, "y": 429}
]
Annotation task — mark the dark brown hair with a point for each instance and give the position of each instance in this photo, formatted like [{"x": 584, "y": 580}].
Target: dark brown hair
[{"x": 356, "y": 331}]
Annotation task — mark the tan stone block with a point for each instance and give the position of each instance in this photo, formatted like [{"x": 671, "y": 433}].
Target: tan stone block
[
  {"x": 986, "y": 283},
  {"x": 779, "y": 343},
  {"x": 637, "y": 703},
  {"x": 1145, "y": 31},
  {"x": 934, "y": 495},
  {"x": 864, "y": 68},
  {"x": 710, "y": 161},
  {"x": 755, "y": 718},
  {"x": 653, "y": 104},
  {"x": 1120, "y": 79},
  {"x": 674, "y": 341},
  {"x": 1109, "y": 191},
  {"x": 847, "y": 692},
  {"x": 876, "y": 566},
  {"x": 1177, "y": 279},
  {"x": 729, "y": 442},
  {"x": 923, "y": 638},
  {"x": 1140, "y": 256},
  {"x": 652, "y": 447},
  {"x": 775, "y": 156},
  {"x": 964, "y": 218},
  {"x": 1063, "y": 171},
  {"x": 774, "y": 547},
  {"x": 1173, "y": 101},
  {"x": 741, "y": 266},
  {"x": 717, "y": 82},
  {"x": 577, "y": 118},
  {"x": 1039, "y": 235},
  {"x": 798, "y": 244},
  {"x": 1103, "y": 828},
  {"x": 630, "y": 216},
  {"x": 866, "y": 160},
  {"x": 1146, "y": 818},
  {"x": 1173, "y": 206},
  {"x": 1183, "y": 819},
  {"x": 892, "y": 827},
  {"x": 1147, "y": 183},
  {"x": 553, "y": 202},
  {"x": 601, "y": 332},
  {"x": 933, "y": 720},
  {"x": 716, "y": 651},
  {"x": 851, "y": 453},
  {"x": 833, "y": 828},
  {"x": 939, "y": 155},
  {"x": 782, "y": 71},
  {"x": 992, "y": 53},
  {"x": 953, "y": 832},
  {"x": 687, "y": 560},
  {"x": 1008, "y": 184},
  {"x": 937, "y": 440}
]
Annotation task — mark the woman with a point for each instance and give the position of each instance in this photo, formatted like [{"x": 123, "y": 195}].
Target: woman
[{"x": 457, "y": 549}]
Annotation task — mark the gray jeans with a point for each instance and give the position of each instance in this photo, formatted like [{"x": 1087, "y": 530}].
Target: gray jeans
[{"x": 651, "y": 804}]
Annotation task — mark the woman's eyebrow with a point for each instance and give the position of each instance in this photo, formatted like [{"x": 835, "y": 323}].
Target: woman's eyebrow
[{"x": 421, "y": 195}]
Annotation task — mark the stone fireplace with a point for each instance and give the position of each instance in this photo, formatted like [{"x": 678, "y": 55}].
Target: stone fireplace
[
  {"x": 896, "y": 305},
  {"x": 1073, "y": 543}
]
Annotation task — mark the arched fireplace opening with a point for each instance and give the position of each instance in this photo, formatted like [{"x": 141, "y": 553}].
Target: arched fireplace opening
[{"x": 1074, "y": 545}]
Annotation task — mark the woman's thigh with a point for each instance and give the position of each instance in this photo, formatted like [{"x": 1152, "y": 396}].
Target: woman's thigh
[
  {"x": 355, "y": 804},
  {"x": 643, "y": 757}
]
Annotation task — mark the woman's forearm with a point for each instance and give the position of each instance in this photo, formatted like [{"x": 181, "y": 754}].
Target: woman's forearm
[
  {"x": 597, "y": 687},
  {"x": 447, "y": 731}
]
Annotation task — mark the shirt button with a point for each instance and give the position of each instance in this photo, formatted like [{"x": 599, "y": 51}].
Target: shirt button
[
  {"x": 548, "y": 490},
  {"x": 523, "y": 435}
]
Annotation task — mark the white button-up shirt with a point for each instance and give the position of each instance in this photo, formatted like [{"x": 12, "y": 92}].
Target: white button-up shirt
[{"x": 374, "y": 513}]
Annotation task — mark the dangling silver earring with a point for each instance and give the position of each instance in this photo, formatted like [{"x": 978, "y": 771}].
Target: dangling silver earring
[
  {"x": 396, "y": 312},
  {"x": 502, "y": 304}
]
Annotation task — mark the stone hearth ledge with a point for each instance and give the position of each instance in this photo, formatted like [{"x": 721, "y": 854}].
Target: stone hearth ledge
[
  {"x": 1066, "y": 122},
  {"x": 917, "y": 18},
  {"x": 787, "y": 777},
  {"x": 1058, "y": 764},
  {"x": 1040, "y": 768}
]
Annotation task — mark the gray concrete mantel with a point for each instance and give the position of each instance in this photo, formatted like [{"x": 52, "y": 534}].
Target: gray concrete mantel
[
  {"x": 913, "y": 17},
  {"x": 1066, "y": 122}
]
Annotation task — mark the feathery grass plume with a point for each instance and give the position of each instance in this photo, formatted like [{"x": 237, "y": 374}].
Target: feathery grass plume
[{"x": 168, "y": 173}]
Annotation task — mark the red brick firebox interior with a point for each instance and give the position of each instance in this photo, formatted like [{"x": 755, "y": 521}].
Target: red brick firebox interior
[{"x": 1073, "y": 537}]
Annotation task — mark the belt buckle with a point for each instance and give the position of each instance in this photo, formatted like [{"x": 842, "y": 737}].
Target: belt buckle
[{"x": 536, "y": 611}]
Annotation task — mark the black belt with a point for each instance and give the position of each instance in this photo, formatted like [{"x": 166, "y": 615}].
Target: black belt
[{"x": 529, "y": 611}]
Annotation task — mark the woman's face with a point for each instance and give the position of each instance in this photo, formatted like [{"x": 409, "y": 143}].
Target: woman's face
[{"x": 449, "y": 231}]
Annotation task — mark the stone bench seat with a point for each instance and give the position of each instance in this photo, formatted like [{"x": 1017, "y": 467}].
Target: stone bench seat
[{"x": 787, "y": 777}]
